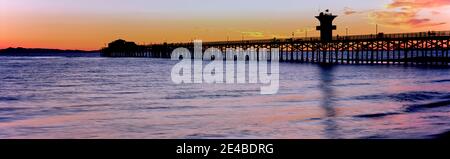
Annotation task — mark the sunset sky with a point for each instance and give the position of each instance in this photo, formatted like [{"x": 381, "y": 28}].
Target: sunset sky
[{"x": 90, "y": 24}]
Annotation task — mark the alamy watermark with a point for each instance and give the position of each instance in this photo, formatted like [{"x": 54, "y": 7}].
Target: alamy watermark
[{"x": 232, "y": 65}]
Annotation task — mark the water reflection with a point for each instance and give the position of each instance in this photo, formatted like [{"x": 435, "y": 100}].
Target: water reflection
[{"x": 328, "y": 101}]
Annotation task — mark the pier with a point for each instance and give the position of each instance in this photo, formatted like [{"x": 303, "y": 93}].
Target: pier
[{"x": 424, "y": 48}]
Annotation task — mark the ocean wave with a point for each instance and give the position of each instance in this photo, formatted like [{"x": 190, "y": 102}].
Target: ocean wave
[
  {"x": 351, "y": 84},
  {"x": 405, "y": 97},
  {"x": 201, "y": 135},
  {"x": 420, "y": 107},
  {"x": 377, "y": 115},
  {"x": 426, "y": 100},
  {"x": 168, "y": 107},
  {"x": 438, "y": 81},
  {"x": 10, "y": 109},
  {"x": 8, "y": 99},
  {"x": 201, "y": 96},
  {"x": 444, "y": 135}
]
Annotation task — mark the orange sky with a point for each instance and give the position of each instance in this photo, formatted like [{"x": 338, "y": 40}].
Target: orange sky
[{"x": 90, "y": 24}]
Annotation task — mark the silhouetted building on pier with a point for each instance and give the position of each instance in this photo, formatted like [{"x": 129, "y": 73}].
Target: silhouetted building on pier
[{"x": 326, "y": 25}]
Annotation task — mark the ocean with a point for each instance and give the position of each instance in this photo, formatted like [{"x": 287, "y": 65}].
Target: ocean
[{"x": 96, "y": 97}]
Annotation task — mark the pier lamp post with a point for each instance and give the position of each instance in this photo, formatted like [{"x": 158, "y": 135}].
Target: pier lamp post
[
  {"x": 346, "y": 31},
  {"x": 306, "y": 32},
  {"x": 376, "y": 29}
]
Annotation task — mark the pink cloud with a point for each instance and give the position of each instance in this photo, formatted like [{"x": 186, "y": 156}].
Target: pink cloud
[
  {"x": 402, "y": 19},
  {"x": 435, "y": 12},
  {"x": 405, "y": 13},
  {"x": 418, "y": 3}
]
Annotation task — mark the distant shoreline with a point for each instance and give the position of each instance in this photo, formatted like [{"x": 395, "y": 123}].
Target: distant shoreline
[{"x": 48, "y": 52}]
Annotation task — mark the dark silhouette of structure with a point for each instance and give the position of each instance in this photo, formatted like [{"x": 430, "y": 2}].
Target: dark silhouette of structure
[
  {"x": 122, "y": 48},
  {"x": 428, "y": 48},
  {"x": 326, "y": 25}
]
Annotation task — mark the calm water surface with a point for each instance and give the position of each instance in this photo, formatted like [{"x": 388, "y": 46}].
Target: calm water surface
[{"x": 89, "y": 97}]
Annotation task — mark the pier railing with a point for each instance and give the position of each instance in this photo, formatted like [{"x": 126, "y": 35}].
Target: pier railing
[{"x": 337, "y": 38}]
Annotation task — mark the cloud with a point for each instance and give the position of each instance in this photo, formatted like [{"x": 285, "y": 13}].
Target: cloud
[
  {"x": 300, "y": 32},
  {"x": 303, "y": 30},
  {"x": 418, "y": 3},
  {"x": 402, "y": 19},
  {"x": 406, "y": 13},
  {"x": 435, "y": 13},
  {"x": 261, "y": 34},
  {"x": 253, "y": 34},
  {"x": 349, "y": 11}
]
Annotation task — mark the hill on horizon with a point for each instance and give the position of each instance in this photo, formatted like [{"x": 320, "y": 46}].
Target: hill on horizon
[{"x": 47, "y": 52}]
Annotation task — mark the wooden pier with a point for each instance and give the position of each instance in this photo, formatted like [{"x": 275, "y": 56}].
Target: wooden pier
[
  {"x": 430, "y": 48},
  {"x": 427, "y": 48}
]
